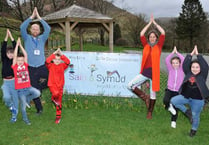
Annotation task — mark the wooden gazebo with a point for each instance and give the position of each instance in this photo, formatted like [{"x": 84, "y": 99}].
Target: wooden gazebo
[{"x": 81, "y": 18}]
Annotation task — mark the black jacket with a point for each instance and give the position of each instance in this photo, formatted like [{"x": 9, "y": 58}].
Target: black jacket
[
  {"x": 200, "y": 78},
  {"x": 6, "y": 62}
]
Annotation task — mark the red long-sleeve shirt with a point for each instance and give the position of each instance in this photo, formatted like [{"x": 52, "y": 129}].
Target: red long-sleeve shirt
[{"x": 56, "y": 72}]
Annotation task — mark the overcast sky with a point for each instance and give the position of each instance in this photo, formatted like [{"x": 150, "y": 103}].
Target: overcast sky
[{"x": 159, "y": 8}]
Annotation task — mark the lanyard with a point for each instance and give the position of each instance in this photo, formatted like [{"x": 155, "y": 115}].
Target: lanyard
[{"x": 35, "y": 41}]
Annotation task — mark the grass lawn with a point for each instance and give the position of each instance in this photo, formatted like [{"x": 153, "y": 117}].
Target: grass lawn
[{"x": 93, "y": 121}]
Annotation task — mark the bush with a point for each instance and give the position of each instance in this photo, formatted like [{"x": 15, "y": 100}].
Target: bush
[{"x": 121, "y": 42}]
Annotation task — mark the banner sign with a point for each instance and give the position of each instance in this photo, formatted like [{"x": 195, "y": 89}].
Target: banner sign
[{"x": 106, "y": 74}]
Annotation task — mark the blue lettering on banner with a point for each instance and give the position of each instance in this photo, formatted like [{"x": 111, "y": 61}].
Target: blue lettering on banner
[{"x": 110, "y": 79}]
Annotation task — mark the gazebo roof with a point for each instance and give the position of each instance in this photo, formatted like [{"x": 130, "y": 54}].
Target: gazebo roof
[{"x": 75, "y": 12}]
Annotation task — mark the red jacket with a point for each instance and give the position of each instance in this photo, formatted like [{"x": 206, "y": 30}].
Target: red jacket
[{"x": 56, "y": 72}]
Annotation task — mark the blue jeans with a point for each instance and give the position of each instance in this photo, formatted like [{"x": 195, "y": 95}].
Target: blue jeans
[
  {"x": 9, "y": 93},
  {"x": 196, "y": 106},
  {"x": 25, "y": 96},
  {"x": 137, "y": 81}
]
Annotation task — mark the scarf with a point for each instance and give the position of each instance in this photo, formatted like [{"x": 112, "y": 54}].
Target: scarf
[{"x": 155, "y": 55}]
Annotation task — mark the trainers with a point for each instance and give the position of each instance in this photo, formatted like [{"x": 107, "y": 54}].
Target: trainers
[
  {"x": 13, "y": 120},
  {"x": 27, "y": 122},
  {"x": 172, "y": 110},
  {"x": 39, "y": 112},
  {"x": 57, "y": 120},
  {"x": 173, "y": 124},
  {"x": 27, "y": 105},
  {"x": 56, "y": 103},
  {"x": 192, "y": 133},
  {"x": 12, "y": 110}
]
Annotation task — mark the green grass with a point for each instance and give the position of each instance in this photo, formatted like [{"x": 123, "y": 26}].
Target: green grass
[{"x": 100, "y": 120}]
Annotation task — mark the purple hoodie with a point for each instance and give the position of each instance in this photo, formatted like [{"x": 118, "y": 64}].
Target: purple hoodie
[{"x": 175, "y": 76}]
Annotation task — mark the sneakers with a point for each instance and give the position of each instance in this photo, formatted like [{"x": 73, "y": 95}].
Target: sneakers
[
  {"x": 56, "y": 103},
  {"x": 28, "y": 105},
  {"x": 27, "y": 122},
  {"x": 12, "y": 110},
  {"x": 192, "y": 133},
  {"x": 171, "y": 109},
  {"x": 39, "y": 112},
  {"x": 57, "y": 120},
  {"x": 13, "y": 120},
  {"x": 173, "y": 124}
]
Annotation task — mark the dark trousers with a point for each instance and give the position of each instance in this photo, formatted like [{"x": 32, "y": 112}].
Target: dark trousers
[
  {"x": 39, "y": 79},
  {"x": 166, "y": 101}
]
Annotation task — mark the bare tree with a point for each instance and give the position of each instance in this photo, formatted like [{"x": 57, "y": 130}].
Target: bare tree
[
  {"x": 103, "y": 7},
  {"x": 23, "y": 8},
  {"x": 134, "y": 25}
]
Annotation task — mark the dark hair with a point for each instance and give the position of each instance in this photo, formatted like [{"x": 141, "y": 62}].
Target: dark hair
[
  {"x": 20, "y": 55},
  {"x": 175, "y": 57},
  {"x": 9, "y": 49},
  {"x": 152, "y": 31},
  {"x": 194, "y": 61}
]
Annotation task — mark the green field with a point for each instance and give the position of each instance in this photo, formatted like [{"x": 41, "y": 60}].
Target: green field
[{"x": 97, "y": 120}]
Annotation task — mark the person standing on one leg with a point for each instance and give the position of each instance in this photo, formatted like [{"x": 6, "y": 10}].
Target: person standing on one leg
[
  {"x": 8, "y": 88},
  {"x": 175, "y": 79},
  {"x": 150, "y": 66},
  {"x": 22, "y": 81},
  {"x": 194, "y": 90},
  {"x": 34, "y": 46},
  {"x": 57, "y": 63}
]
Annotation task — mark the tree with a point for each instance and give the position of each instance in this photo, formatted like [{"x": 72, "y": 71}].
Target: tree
[
  {"x": 190, "y": 21},
  {"x": 117, "y": 32},
  {"x": 134, "y": 25},
  {"x": 4, "y": 7},
  {"x": 101, "y": 6}
]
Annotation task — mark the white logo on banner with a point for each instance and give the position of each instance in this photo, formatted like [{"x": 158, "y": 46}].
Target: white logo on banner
[{"x": 106, "y": 74}]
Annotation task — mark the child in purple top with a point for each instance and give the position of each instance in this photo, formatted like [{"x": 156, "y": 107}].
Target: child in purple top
[{"x": 175, "y": 79}]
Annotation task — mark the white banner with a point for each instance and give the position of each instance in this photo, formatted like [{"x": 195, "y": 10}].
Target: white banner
[{"x": 105, "y": 74}]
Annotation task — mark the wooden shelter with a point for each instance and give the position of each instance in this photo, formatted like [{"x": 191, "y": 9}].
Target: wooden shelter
[{"x": 81, "y": 18}]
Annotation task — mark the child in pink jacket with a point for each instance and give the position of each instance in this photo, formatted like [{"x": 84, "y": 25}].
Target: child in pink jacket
[{"x": 175, "y": 79}]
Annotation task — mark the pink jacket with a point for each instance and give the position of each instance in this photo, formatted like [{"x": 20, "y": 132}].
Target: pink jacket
[{"x": 175, "y": 76}]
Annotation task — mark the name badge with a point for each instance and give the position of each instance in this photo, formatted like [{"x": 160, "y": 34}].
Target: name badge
[{"x": 36, "y": 52}]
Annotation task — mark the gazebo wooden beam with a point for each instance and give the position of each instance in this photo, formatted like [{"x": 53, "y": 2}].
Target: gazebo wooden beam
[
  {"x": 67, "y": 35},
  {"x": 111, "y": 36},
  {"x": 106, "y": 27},
  {"x": 62, "y": 25},
  {"x": 73, "y": 25}
]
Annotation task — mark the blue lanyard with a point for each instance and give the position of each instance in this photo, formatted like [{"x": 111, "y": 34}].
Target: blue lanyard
[{"x": 35, "y": 41}]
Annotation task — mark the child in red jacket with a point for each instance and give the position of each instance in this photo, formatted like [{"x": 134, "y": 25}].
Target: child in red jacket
[{"x": 56, "y": 64}]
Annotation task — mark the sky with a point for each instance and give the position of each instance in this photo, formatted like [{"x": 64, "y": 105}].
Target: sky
[{"x": 159, "y": 8}]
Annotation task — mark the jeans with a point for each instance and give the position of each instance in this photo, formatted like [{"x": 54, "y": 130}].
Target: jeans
[
  {"x": 25, "y": 96},
  {"x": 138, "y": 80},
  {"x": 196, "y": 106},
  {"x": 9, "y": 93}
]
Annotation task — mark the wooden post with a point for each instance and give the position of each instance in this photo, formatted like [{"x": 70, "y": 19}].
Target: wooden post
[
  {"x": 67, "y": 36},
  {"x": 111, "y": 36}
]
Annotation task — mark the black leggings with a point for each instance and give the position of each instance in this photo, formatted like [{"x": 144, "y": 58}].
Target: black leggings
[{"x": 166, "y": 101}]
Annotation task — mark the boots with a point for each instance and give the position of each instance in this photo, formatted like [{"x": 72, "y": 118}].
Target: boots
[
  {"x": 192, "y": 133},
  {"x": 188, "y": 114},
  {"x": 151, "y": 108},
  {"x": 142, "y": 95}
]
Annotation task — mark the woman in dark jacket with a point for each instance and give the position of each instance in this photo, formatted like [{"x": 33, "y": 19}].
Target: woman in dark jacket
[{"x": 194, "y": 90}]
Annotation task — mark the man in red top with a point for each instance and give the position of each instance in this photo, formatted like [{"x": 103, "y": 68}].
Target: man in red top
[{"x": 56, "y": 64}]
